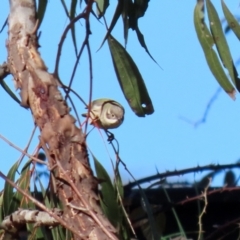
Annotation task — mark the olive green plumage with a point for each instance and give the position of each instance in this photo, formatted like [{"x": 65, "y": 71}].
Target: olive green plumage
[{"x": 106, "y": 113}]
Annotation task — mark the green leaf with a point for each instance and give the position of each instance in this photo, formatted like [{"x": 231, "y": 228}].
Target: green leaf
[
  {"x": 108, "y": 201},
  {"x": 8, "y": 190},
  {"x": 140, "y": 7},
  {"x": 116, "y": 16},
  {"x": 102, "y": 5},
  {"x": 72, "y": 16},
  {"x": 127, "y": 4},
  {"x": 118, "y": 184},
  {"x": 65, "y": 8},
  {"x": 206, "y": 41},
  {"x": 130, "y": 79},
  {"x": 232, "y": 22},
  {"x": 42, "y": 6},
  {"x": 18, "y": 200},
  {"x": 9, "y": 91},
  {"x": 221, "y": 42},
  {"x": 143, "y": 44}
]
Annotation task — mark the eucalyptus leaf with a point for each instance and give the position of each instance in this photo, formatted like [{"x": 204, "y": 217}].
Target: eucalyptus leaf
[
  {"x": 221, "y": 42},
  {"x": 143, "y": 44},
  {"x": 231, "y": 20},
  {"x": 102, "y": 5},
  {"x": 9, "y": 91},
  {"x": 127, "y": 4},
  {"x": 65, "y": 8},
  {"x": 42, "y": 6},
  {"x": 115, "y": 18},
  {"x": 206, "y": 40},
  {"x": 130, "y": 79},
  {"x": 72, "y": 16}
]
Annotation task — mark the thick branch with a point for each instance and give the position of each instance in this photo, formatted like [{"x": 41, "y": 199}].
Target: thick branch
[
  {"x": 15, "y": 222},
  {"x": 63, "y": 142}
]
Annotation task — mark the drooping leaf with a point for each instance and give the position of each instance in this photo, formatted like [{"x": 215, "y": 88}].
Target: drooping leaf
[
  {"x": 42, "y": 6},
  {"x": 130, "y": 79},
  {"x": 206, "y": 40},
  {"x": 65, "y": 8},
  {"x": 102, "y": 5},
  {"x": 108, "y": 201},
  {"x": 9, "y": 91},
  {"x": 115, "y": 18},
  {"x": 231, "y": 20},
  {"x": 221, "y": 42},
  {"x": 127, "y": 5},
  {"x": 4, "y": 24},
  {"x": 72, "y": 16},
  {"x": 143, "y": 44},
  {"x": 140, "y": 7}
]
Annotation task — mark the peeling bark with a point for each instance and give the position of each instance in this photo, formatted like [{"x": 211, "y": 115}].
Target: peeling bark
[
  {"x": 63, "y": 142},
  {"x": 15, "y": 222}
]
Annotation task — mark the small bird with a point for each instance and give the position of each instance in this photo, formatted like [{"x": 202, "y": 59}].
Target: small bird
[{"x": 105, "y": 113}]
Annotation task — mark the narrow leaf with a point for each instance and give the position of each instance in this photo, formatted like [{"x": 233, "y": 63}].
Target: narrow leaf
[
  {"x": 140, "y": 7},
  {"x": 9, "y": 91},
  {"x": 8, "y": 190},
  {"x": 127, "y": 4},
  {"x": 143, "y": 44},
  {"x": 232, "y": 21},
  {"x": 19, "y": 201},
  {"x": 72, "y": 16},
  {"x": 4, "y": 24},
  {"x": 220, "y": 41},
  {"x": 65, "y": 8},
  {"x": 102, "y": 5},
  {"x": 42, "y": 6},
  {"x": 130, "y": 79},
  {"x": 116, "y": 16},
  {"x": 109, "y": 197},
  {"x": 119, "y": 184},
  {"x": 206, "y": 41}
]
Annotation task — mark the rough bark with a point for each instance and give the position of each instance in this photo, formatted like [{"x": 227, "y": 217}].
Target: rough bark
[{"x": 63, "y": 142}]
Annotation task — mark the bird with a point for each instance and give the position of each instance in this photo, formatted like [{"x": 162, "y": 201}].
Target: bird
[{"x": 105, "y": 113}]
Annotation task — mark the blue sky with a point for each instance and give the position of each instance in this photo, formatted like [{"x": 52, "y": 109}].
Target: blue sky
[{"x": 161, "y": 141}]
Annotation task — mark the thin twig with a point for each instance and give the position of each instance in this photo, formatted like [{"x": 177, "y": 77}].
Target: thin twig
[
  {"x": 26, "y": 148},
  {"x": 90, "y": 84},
  {"x": 60, "y": 45},
  {"x": 22, "y": 151},
  {"x": 204, "y": 194}
]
